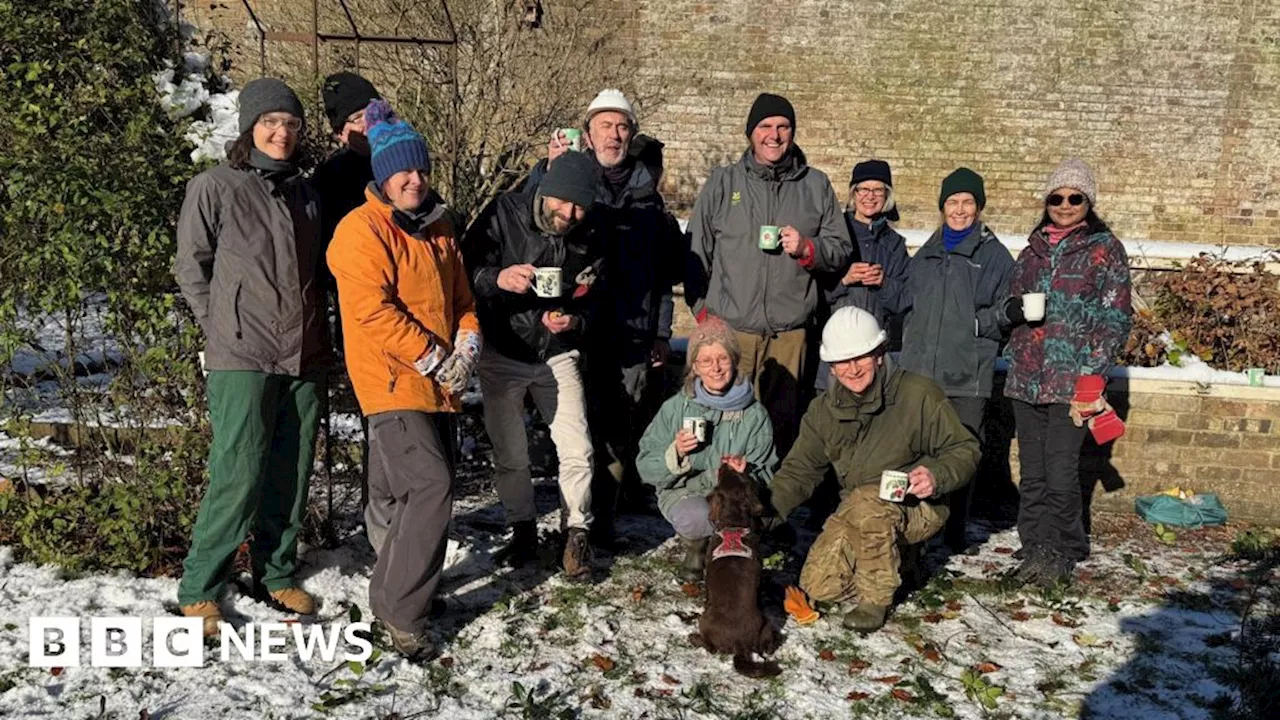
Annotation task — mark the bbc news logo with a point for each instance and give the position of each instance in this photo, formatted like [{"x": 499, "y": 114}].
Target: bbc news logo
[{"x": 179, "y": 642}]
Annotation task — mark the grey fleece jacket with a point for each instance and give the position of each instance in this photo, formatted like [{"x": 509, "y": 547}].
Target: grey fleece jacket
[{"x": 729, "y": 276}]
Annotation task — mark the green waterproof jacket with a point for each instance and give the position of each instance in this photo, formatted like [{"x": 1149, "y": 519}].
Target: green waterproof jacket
[
  {"x": 903, "y": 420},
  {"x": 747, "y": 433}
]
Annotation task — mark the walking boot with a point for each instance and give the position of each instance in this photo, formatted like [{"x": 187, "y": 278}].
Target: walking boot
[
  {"x": 577, "y": 556},
  {"x": 866, "y": 618},
  {"x": 415, "y": 647},
  {"x": 1033, "y": 565},
  {"x": 693, "y": 567},
  {"x": 209, "y": 612},
  {"x": 523, "y": 548}
]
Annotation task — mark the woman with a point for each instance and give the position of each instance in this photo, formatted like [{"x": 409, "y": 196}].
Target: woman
[
  {"x": 411, "y": 340},
  {"x": 683, "y": 468},
  {"x": 957, "y": 285},
  {"x": 247, "y": 262},
  {"x": 1072, "y": 257},
  {"x": 877, "y": 277}
]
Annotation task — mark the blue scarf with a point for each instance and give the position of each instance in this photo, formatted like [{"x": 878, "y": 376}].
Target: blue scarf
[
  {"x": 952, "y": 238},
  {"x": 736, "y": 399}
]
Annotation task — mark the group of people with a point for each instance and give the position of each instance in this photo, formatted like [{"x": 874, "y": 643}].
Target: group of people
[{"x": 561, "y": 292}]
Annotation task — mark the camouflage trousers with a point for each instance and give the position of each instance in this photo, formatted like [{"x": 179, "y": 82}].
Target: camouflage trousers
[{"x": 858, "y": 553}]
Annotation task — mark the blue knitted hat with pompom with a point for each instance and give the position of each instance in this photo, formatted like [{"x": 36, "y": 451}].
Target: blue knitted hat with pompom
[{"x": 394, "y": 144}]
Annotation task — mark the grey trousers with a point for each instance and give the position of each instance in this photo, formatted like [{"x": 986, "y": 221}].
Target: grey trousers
[
  {"x": 411, "y": 479},
  {"x": 380, "y": 504},
  {"x": 556, "y": 388},
  {"x": 689, "y": 517}
]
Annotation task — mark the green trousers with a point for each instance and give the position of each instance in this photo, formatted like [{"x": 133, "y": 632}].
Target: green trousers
[{"x": 264, "y": 435}]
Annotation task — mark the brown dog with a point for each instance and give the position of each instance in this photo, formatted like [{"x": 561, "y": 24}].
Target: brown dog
[{"x": 731, "y": 622}]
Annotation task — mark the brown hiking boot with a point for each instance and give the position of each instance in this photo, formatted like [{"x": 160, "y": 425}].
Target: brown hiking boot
[
  {"x": 207, "y": 610},
  {"x": 415, "y": 647},
  {"x": 577, "y": 555},
  {"x": 292, "y": 599}
]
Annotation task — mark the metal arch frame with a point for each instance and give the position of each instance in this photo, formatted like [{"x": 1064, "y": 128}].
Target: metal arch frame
[{"x": 315, "y": 37}]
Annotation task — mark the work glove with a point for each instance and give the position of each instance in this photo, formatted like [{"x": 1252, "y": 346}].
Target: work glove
[
  {"x": 455, "y": 371},
  {"x": 1013, "y": 310},
  {"x": 797, "y": 606},
  {"x": 430, "y": 361}
]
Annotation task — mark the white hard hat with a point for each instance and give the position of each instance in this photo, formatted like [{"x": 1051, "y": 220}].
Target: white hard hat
[
  {"x": 611, "y": 99},
  {"x": 851, "y": 332}
]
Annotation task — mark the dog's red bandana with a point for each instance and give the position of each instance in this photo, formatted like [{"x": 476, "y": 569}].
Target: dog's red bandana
[{"x": 731, "y": 544}]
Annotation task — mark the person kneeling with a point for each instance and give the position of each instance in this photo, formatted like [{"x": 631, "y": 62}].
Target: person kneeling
[
  {"x": 713, "y": 417},
  {"x": 875, "y": 418}
]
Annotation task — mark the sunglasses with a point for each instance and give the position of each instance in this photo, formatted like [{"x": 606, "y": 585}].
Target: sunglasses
[{"x": 1055, "y": 199}]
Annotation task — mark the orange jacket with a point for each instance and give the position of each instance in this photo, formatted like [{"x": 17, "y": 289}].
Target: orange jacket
[{"x": 397, "y": 293}]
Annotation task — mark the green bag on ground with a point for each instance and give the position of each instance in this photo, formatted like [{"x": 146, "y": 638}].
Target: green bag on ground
[{"x": 1197, "y": 511}]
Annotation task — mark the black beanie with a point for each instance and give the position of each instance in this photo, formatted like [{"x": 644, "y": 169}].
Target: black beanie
[
  {"x": 963, "y": 180},
  {"x": 344, "y": 94},
  {"x": 875, "y": 170},
  {"x": 871, "y": 170},
  {"x": 768, "y": 105},
  {"x": 573, "y": 177},
  {"x": 267, "y": 95}
]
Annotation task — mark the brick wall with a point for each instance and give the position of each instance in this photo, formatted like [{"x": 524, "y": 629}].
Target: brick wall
[
  {"x": 1226, "y": 440},
  {"x": 1174, "y": 102}
]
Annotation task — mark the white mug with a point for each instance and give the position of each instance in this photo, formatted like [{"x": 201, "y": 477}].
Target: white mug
[
  {"x": 1033, "y": 306},
  {"x": 546, "y": 282},
  {"x": 697, "y": 426},
  {"x": 893, "y": 485}
]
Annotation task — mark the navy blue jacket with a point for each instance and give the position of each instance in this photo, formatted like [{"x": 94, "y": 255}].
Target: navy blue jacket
[{"x": 880, "y": 245}]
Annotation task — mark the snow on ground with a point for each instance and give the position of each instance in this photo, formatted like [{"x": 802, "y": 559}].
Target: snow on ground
[
  {"x": 1138, "y": 637},
  {"x": 32, "y": 459},
  {"x": 47, "y": 348}
]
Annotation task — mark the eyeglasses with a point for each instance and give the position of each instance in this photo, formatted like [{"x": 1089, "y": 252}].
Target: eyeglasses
[
  {"x": 712, "y": 362},
  {"x": 870, "y": 192},
  {"x": 1054, "y": 200},
  {"x": 292, "y": 124}
]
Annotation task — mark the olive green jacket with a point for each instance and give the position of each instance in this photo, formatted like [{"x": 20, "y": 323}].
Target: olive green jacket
[{"x": 902, "y": 421}]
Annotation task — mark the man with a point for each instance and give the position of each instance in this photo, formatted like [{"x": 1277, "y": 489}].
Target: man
[
  {"x": 874, "y": 418},
  {"x": 535, "y": 335},
  {"x": 342, "y": 178},
  {"x": 767, "y": 296},
  {"x": 643, "y": 249},
  {"x": 412, "y": 340}
]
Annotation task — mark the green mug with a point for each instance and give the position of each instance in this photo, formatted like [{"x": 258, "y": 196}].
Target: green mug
[
  {"x": 573, "y": 136},
  {"x": 770, "y": 237}
]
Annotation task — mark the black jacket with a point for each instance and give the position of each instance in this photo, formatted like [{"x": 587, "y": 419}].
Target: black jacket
[
  {"x": 957, "y": 322},
  {"x": 505, "y": 234},
  {"x": 644, "y": 251}
]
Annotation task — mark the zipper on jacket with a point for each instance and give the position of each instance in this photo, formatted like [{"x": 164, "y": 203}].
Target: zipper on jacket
[{"x": 235, "y": 310}]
